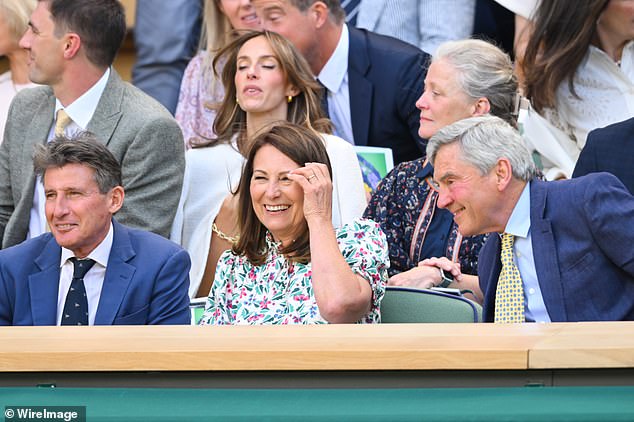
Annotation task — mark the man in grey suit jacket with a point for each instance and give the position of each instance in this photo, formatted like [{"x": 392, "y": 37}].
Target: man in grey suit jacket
[{"x": 72, "y": 44}]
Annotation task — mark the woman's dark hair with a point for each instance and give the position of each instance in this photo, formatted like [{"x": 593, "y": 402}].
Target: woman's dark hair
[
  {"x": 300, "y": 144},
  {"x": 562, "y": 34}
]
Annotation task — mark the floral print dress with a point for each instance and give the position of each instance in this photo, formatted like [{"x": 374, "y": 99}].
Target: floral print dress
[
  {"x": 404, "y": 204},
  {"x": 281, "y": 292}
]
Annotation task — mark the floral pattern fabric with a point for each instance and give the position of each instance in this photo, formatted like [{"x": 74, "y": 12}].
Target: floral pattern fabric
[
  {"x": 281, "y": 292},
  {"x": 404, "y": 204}
]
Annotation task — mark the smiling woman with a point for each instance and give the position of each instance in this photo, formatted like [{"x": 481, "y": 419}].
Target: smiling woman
[
  {"x": 266, "y": 81},
  {"x": 290, "y": 266}
]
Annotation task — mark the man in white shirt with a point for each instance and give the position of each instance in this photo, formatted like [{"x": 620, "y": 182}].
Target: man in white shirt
[
  {"x": 372, "y": 81},
  {"x": 90, "y": 270},
  {"x": 71, "y": 45},
  {"x": 563, "y": 252}
]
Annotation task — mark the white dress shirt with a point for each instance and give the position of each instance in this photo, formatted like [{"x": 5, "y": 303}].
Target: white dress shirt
[
  {"x": 80, "y": 111},
  {"x": 519, "y": 225},
  {"x": 334, "y": 76},
  {"x": 93, "y": 280}
]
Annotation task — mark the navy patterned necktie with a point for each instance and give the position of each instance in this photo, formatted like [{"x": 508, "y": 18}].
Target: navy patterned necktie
[
  {"x": 352, "y": 10},
  {"x": 324, "y": 99},
  {"x": 76, "y": 306}
]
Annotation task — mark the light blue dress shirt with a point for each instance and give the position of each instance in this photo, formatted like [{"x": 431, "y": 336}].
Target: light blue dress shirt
[{"x": 519, "y": 225}]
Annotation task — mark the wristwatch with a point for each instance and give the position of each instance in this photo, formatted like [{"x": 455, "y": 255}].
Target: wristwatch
[{"x": 446, "y": 280}]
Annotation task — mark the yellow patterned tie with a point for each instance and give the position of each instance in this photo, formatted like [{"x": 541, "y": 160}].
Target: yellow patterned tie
[
  {"x": 61, "y": 122},
  {"x": 509, "y": 296}
]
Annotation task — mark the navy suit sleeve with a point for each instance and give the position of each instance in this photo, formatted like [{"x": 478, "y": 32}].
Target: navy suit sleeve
[
  {"x": 170, "y": 299},
  {"x": 412, "y": 84},
  {"x": 609, "y": 208},
  {"x": 587, "y": 162},
  {"x": 6, "y": 308}
]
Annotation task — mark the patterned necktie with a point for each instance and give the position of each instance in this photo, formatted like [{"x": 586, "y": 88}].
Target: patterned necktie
[
  {"x": 76, "y": 306},
  {"x": 61, "y": 122},
  {"x": 324, "y": 99},
  {"x": 352, "y": 9},
  {"x": 509, "y": 296}
]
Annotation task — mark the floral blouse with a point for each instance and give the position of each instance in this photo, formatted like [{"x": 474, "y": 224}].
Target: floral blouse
[
  {"x": 404, "y": 204},
  {"x": 280, "y": 291}
]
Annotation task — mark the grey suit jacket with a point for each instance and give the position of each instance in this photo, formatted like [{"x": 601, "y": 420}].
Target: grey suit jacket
[
  {"x": 423, "y": 23},
  {"x": 140, "y": 133}
]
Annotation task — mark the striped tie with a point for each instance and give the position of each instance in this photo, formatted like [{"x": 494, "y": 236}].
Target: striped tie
[
  {"x": 352, "y": 9},
  {"x": 509, "y": 296}
]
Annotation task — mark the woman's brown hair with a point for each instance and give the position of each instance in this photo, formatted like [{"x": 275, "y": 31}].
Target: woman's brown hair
[
  {"x": 305, "y": 107},
  {"x": 300, "y": 144},
  {"x": 562, "y": 34}
]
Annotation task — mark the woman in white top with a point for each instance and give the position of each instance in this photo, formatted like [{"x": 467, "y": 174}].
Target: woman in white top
[
  {"x": 201, "y": 91},
  {"x": 14, "y": 19},
  {"x": 266, "y": 80},
  {"x": 579, "y": 66}
]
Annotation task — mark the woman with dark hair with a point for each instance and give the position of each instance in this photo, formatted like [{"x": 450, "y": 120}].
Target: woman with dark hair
[
  {"x": 265, "y": 81},
  {"x": 289, "y": 265},
  {"x": 579, "y": 66}
]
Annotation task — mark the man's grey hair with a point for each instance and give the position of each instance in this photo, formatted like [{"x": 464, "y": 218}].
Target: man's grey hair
[
  {"x": 483, "y": 140},
  {"x": 82, "y": 148}
]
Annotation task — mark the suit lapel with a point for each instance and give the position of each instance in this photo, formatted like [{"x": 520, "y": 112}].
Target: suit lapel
[
  {"x": 545, "y": 254},
  {"x": 119, "y": 273},
  {"x": 108, "y": 111},
  {"x": 44, "y": 285},
  {"x": 493, "y": 276},
  {"x": 360, "y": 89}
]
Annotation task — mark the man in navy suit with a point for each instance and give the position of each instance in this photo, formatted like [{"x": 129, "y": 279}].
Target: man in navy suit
[
  {"x": 373, "y": 81},
  {"x": 571, "y": 240},
  {"x": 609, "y": 149},
  {"x": 134, "y": 278}
]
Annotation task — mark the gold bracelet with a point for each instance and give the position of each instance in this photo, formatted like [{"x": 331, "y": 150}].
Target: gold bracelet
[{"x": 223, "y": 236}]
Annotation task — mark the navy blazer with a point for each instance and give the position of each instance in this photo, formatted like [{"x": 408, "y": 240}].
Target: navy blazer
[
  {"x": 610, "y": 149},
  {"x": 146, "y": 281},
  {"x": 386, "y": 77},
  {"x": 582, "y": 234}
]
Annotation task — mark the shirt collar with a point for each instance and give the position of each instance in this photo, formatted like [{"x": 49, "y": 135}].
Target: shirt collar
[
  {"x": 100, "y": 254},
  {"x": 82, "y": 109},
  {"x": 520, "y": 222},
  {"x": 336, "y": 68},
  {"x": 425, "y": 171}
]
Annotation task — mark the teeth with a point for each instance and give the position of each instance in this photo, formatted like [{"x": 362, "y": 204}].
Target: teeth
[{"x": 276, "y": 207}]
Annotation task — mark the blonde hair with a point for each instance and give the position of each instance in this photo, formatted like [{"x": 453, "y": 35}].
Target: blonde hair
[
  {"x": 16, "y": 14},
  {"x": 216, "y": 33}
]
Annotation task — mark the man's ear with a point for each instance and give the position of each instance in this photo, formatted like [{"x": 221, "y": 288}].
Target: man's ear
[
  {"x": 503, "y": 173},
  {"x": 481, "y": 107},
  {"x": 72, "y": 43},
  {"x": 320, "y": 12},
  {"x": 115, "y": 196}
]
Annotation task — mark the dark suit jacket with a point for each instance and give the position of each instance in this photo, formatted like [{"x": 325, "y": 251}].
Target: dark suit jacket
[
  {"x": 582, "y": 234},
  {"x": 140, "y": 133},
  {"x": 146, "y": 281},
  {"x": 610, "y": 149},
  {"x": 386, "y": 77}
]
